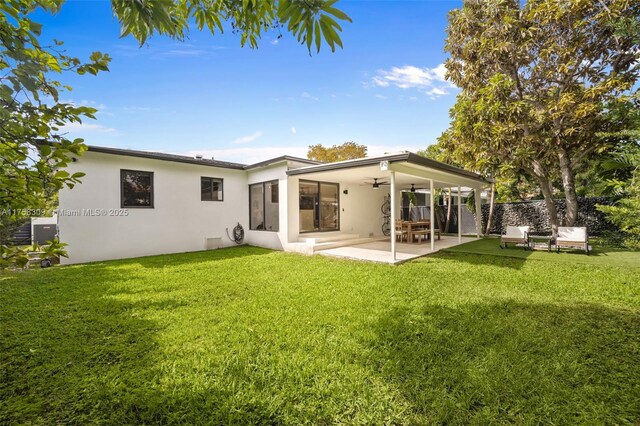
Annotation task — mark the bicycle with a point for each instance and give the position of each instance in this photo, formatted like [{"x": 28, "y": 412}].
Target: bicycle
[{"x": 386, "y": 212}]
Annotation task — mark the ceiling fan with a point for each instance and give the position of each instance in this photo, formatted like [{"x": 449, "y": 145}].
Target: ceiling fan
[
  {"x": 413, "y": 188},
  {"x": 375, "y": 184}
]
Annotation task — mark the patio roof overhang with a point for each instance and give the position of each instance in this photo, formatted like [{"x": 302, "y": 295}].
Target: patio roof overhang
[
  {"x": 403, "y": 170},
  {"x": 410, "y": 169}
]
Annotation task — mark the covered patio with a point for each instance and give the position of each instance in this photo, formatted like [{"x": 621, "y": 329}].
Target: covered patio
[
  {"x": 369, "y": 179},
  {"x": 380, "y": 251}
]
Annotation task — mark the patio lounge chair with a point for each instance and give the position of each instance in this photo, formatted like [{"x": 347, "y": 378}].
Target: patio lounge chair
[
  {"x": 515, "y": 235},
  {"x": 573, "y": 237}
]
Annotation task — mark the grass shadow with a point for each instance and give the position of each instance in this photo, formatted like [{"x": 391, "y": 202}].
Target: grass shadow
[
  {"x": 180, "y": 259},
  {"x": 97, "y": 353},
  {"x": 70, "y": 358},
  {"x": 512, "y": 363}
]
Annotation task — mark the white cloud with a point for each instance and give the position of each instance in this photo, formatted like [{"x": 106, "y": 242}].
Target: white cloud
[
  {"x": 166, "y": 51},
  {"x": 307, "y": 95},
  {"x": 431, "y": 81},
  {"x": 275, "y": 41},
  {"x": 248, "y": 138},
  {"x": 184, "y": 52},
  {"x": 436, "y": 91},
  {"x": 294, "y": 130},
  {"x": 381, "y": 96},
  {"x": 134, "y": 108},
  {"x": 440, "y": 71},
  {"x": 87, "y": 128},
  {"x": 84, "y": 102}
]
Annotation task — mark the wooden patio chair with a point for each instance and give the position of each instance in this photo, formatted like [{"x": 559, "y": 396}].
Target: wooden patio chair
[
  {"x": 401, "y": 231},
  {"x": 572, "y": 237},
  {"x": 515, "y": 235}
]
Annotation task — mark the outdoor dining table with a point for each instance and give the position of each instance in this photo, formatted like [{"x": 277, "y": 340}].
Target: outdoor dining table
[{"x": 414, "y": 225}]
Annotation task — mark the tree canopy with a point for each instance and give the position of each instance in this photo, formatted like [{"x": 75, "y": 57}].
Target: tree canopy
[
  {"x": 346, "y": 151},
  {"x": 311, "y": 21},
  {"x": 537, "y": 79}
]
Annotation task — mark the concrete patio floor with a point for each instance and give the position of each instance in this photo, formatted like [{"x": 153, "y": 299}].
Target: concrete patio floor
[{"x": 380, "y": 251}]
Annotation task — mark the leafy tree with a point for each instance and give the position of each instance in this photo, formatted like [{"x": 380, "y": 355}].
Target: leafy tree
[
  {"x": 346, "y": 151},
  {"x": 618, "y": 174},
  {"x": 536, "y": 80},
  {"x": 626, "y": 212},
  {"x": 34, "y": 150},
  {"x": 310, "y": 21},
  {"x": 610, "y": 173}
]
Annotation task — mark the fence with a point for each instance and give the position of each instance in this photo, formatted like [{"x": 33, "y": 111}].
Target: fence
[{"x": 534, "y": 214}]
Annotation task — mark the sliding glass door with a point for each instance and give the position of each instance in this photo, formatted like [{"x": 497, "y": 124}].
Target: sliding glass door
[{"x": 319, "y": 206}]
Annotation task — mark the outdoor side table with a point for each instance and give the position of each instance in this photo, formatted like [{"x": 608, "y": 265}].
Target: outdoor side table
[{"x": 540, "y": 242}]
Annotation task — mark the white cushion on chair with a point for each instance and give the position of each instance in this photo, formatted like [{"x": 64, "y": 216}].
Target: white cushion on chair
[
  {"x": 572, "y": 233},
  {"x": 516, "y": 231}
]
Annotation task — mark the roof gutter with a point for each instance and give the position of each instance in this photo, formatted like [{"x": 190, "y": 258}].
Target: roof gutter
[
  {"x": 407, "y": 157},
  {"x": 165, "y": 157}
]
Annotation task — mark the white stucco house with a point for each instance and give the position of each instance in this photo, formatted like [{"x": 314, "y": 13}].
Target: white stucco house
[{"x": 137, "y": 203}]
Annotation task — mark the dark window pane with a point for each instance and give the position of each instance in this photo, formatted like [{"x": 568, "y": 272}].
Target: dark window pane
[
  {"x": 210, "y": 189},
  {"x": 205, "y": 189},
  {"x": 217, "y": 189},
  {"x": 137, "y": 188},
  {"x": 319, "y": 206},
  {"x": 329, "y": 198},
  {"x": 256, "y": 205},
  {"x": 271, "y": 208},
  {"x": 264, "y": 210},
  {"x": 308, "y": 206}
]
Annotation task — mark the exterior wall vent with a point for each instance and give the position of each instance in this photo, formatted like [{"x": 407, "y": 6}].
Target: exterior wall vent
[{"x": 212, "y": 243}]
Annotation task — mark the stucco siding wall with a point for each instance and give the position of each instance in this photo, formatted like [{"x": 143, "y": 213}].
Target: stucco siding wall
[
  {"x": 179, "y": 221},
  {"x": 360, "y": 211}
]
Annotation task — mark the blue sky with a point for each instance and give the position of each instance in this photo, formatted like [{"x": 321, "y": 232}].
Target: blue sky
[{"x": 207, "y": 95}]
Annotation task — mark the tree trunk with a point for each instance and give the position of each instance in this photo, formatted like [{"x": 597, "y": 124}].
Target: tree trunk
[
  {"x": 440, "y": 218},
  {"x": 491, "y": 204},
  {"x": 446, "y": 226},
  {"x": 547, "y": 191},
  {"x": 569, "y": 186}
]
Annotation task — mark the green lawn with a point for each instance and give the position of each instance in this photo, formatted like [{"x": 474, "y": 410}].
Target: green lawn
[
  {"x": 247, "y": 335},
  {"x": 603, "y": 256}
]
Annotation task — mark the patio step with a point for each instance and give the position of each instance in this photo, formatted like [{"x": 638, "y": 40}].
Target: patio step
[
  {"x": 350, "y": 242},
  {"x": 313, "y": 239}
]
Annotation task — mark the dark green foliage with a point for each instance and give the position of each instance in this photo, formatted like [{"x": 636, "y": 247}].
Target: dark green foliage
[
  {"x": 543, "y": 82},
  {"x": 310, "y": 21}
]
